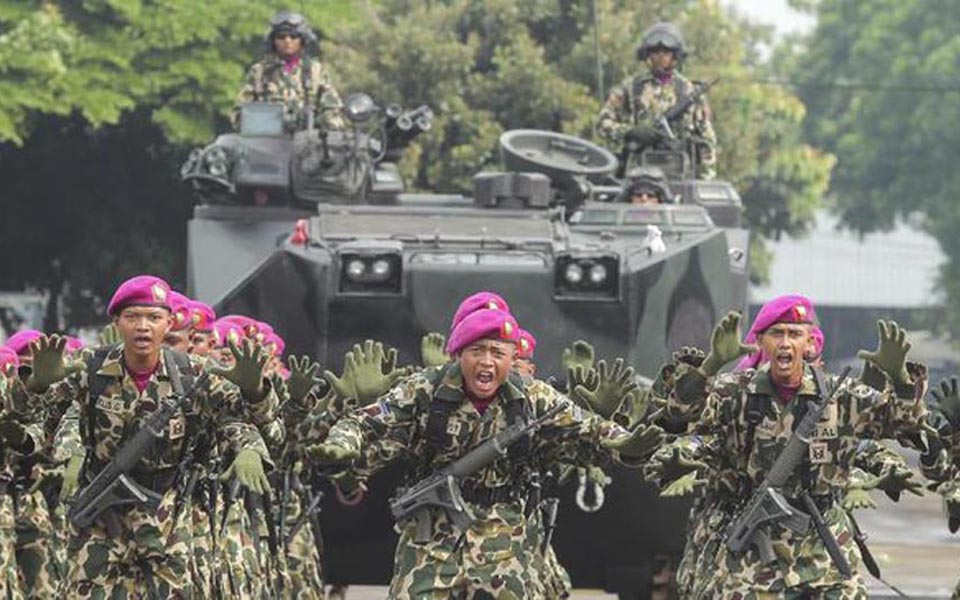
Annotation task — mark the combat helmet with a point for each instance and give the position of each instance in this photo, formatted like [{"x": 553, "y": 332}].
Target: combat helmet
[
  {"x": 645, "y": 177},
  {"x": 287, "y": 21},
  {"x": 661, "y": 34}
]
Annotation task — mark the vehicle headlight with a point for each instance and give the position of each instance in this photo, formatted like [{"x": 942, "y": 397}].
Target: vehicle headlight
[
  {"x": 371, "y": 273},
  {"x": 587, "y": 277}
]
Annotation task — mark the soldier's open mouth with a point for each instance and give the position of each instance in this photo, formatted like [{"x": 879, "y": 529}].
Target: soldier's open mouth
[
  {"x": 784, "y": 359},
  {"x": 485, "y": 377}
]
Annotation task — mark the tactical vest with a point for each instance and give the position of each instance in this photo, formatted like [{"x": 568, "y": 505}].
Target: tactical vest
[
  {"x": 636, "y": 89},
  {"x": 306, "y": 78}
]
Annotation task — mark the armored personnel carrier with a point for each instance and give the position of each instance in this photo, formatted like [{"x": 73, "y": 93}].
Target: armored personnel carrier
[{"x": 314, "y": 232}]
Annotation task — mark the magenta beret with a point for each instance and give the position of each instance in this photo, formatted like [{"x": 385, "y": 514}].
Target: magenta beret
[
  {"x": 526, "y": 345},
  {"x": 482, "y": 324},
  {"x": 202, "y": 316},
  {"x": 251, "y": 328},
  {"x": 225, "y": 331},
  {"x": 478, "y": 301},
  {"x": 142, "y": 290},
  {"x": 278, "y": 344},
  {"x": 74, "y": 344},
  {"x": 791, "y": 308},
  {"x": 21, "y": 340},
  {"x": 180, "y": 306},
  {"x": 8, "y": 357}
]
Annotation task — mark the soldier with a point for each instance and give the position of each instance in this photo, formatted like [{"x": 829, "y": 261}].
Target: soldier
[
  {"x": 752, "y": 413},
  {"x": 645, "y": 185},
  {"x": 633, "y": 112},
  {"x": 202, "y": 337},
  {"x": 471, "y": 400},
  {"x": 135, "y": 548},
  {"x": 941, "y": 460},
  {"x": 290, "y": 75},
  {"x": 178, "y": 338}
]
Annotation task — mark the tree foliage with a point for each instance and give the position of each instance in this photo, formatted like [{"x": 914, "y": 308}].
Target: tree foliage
[
  {"x": 155, "y": 76},
  {"x": 879, "y": 82}
]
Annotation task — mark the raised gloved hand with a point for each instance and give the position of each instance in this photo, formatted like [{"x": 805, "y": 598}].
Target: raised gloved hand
[
  {"x": 895, "y": 479},
  {"x": 639, "y": 445},
  {"x": 431, "y": 350},
  {"x": 331, "y": 454},
  {"x": 71, "y": 477},
  {"x": 247, "y": 467},
  {"x": 14, "y": 435},
  {"x": 950, "y": 492},
  {"x": 891, "y": 353},
  {"x": 304, "y": 377},
  {"x": 857, "y": 498},
  {"x": 948, "y": 401},
  {"x": 672, "y": 462},
  {"x": 368, "y": 373},
  {"x": 249, "y": 364},
  {"x": 614, "y": 384},
  {"x": 110, "y": 335},
  {"x": 684, "y": 486},
  {"x": 49, "y": 365},
  {"x": 690, "y": 355},
  {"x": 725, "y": 344},
  {"x": 580, "y": 354}
]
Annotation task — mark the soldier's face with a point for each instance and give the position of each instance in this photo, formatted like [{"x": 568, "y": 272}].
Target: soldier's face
[
  {"x": 786, "y": 344},
  {"x": 645, "y": 197},
  {"x": 143, "y": 329},
  {"x": 177, "y": 340},
  {"x": 287, "y": 44},
  {"x": 200, "y": 343},
  {"x": 525, "y": 367},
  {"x": 661, "y": 60},
  {"x": 485, "y": 365}
]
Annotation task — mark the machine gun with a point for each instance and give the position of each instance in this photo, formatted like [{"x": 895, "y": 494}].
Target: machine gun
[
  {"x": 676, "y": 112},
  {"x": 768, "y": 506},
  {"x": 113, "y": 486},
  {"x": 442, "y": 489}
]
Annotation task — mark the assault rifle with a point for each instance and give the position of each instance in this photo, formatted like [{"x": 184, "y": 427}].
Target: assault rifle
[
  {"x": 442, "y": 489},
  {"x": 113, "y": 486},
  {"x": 679, "y": 109},
  {"x": 768, "y": 506}
]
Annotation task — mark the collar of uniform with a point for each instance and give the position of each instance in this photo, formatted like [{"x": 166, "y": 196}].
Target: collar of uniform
[
  {"x": 113, "y": 365},
  {"x": 761, "y": 383}
]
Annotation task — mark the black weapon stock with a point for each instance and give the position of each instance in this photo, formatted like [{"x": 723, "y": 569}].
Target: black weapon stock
[
  {"x": 442, "y": 489},
  {"x": 768, "y": 506},
  {"x": 679, "y": 109},
  {"x": 113, "y": 486}
]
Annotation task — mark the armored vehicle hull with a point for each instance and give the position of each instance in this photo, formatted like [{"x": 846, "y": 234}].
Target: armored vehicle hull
[{"x": 635, "y": 281}]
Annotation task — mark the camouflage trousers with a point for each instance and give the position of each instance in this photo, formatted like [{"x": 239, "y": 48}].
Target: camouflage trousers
[
  {"x": 488, "y": 562},
  {"x": 150, "y": 555},
  {"x": 10, "y": 587},
  {"x": 35, "y": 548},
  {"x": 237, "y": 573},
  {"x": 202, "y": 557},
  {"x": 302, "y": 575}
]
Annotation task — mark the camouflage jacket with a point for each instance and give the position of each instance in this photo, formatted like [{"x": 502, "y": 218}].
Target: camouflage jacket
[
  {"x": 120, "y": 411},
  {"x": 857, "y": 412},
  {"x": 14, "y": 405},
  {"x": 307, "y": 82}
]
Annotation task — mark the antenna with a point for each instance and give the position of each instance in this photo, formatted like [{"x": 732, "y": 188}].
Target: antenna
[{"x": 596, "y": 49}]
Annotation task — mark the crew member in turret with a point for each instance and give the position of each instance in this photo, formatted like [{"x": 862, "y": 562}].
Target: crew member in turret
[
  {"x": 645, "y": 185},
  {"x": 289, "y": 74},
  {"x": 632, "y": 115}
]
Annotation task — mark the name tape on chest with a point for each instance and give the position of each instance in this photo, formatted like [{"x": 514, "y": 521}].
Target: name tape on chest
[{"x": 111, "y": 405}]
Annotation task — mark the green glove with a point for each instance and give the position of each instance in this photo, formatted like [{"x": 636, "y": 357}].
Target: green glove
[
  {"x": 684, "y": 486},
  {"x": 71, "y": 477},
  {"x": 950, "y": 491},
  {"x": 247, "y": 370},
  {"x": 110, "y": 335},
  {"x": 431, "y": 350},
  {"x": 857, "y": 498},
  {"x": 368, "y": 373},
  {"x": 639, "y": 445},
  {"x": 673, "y": 462},
  {"x": 580, "y": 354},
  {"x": 948, "y": 401},
  {"x": 635, "y": 407},
  {"x": 331, "y": 454},
  {"x": 303, "y": 378},
  {"x": 891, "y": 354},
  {"x": 615, "y": 383},
  {"x": 14, "y": 435},
  {"x": 247, "y": 467},
  {"x": 690, "y": 355},
  {"x": 725, "y": 344},
  {"x": 598, "y": 476},
  {"x": 49, "y": 365},
  {"x": 585, "y": 379},
  {"x": 894, "y": 480}
]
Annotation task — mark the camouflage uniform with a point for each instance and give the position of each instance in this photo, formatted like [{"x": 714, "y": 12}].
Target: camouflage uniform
[
  {"x": 490, "y": 558},
  {"x": 153, "y": 550},
  {"x": 642, "y": 100},
  {"x": 308, "y": 81},
  {"x": 733, "y": 405}
]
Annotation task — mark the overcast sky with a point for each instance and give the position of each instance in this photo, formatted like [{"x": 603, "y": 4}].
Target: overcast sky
[{"x": 775, "y": 12}]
